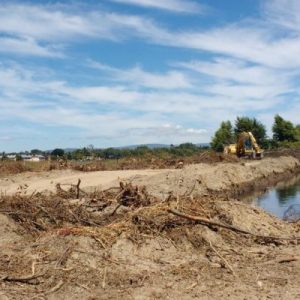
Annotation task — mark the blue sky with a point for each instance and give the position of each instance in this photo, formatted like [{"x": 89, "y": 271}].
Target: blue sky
[{"x": 121, "y": 72}]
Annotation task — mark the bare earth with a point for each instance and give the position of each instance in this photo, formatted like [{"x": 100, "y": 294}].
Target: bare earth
[
  {"x": 147, "y": 253},
  {"x": 193, "y": 179},
  {"x": 47, "y": 180}
]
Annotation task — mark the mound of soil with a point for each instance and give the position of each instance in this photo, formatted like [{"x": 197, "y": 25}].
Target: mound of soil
[
  {"x": 232, "y": 178},
  {"x": 126, "y": 243}
]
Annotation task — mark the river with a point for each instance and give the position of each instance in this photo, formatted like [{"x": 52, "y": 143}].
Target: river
[{"x": 280, "y": 198}]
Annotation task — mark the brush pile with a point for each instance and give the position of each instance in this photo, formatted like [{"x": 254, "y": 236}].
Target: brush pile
[{"x": 42, "y": 211}]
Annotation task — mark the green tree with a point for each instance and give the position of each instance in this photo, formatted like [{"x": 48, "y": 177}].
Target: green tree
[
  {"x": 251, "y": 124},
  {"x": 58, "y": 152},
  {"x": 283, "y": 130},
  {"x": 36, "y": 152},
  {"x": 223, "y": 136},
  {"x": 297, "y": 129},
  {"x": 18, "y": 157}
]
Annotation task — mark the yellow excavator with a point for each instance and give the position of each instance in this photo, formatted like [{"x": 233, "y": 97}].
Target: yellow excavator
[{"x": 246, "y": 146}]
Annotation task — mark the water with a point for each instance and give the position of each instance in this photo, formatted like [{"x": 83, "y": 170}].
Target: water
[{"x": 281, "y": 198}]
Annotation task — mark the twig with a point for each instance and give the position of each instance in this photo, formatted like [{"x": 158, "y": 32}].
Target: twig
[
  {"x": 222, "y": 257},
  {"x": 287, "y": 260},
  {"x": 104, "y": 279},
  {"x": 78, "y": 188},
  {"x": 47, "y": 213},
  {"x": 99, "y": 241},
  {"x": 282, "y": 260},
  {"x": 192, "y": 189},
  {"x": 55, "y": 288},
  {"x": 33, "y": 268},
  {"x": 63, "y": 258},
  {"x": 115, "y": 210}
]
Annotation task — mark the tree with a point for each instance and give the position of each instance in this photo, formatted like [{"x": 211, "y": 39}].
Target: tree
[
  {"x": 18, "y": 157},
  {"x": 58, "y": 152},
  {"x": 283, "y": 130},
  {"x": 223, "y": 136},
  {"x": 256, "y": 127},
  {"x": 297, "y": 129},
  {"x": 36, "y": 152}
]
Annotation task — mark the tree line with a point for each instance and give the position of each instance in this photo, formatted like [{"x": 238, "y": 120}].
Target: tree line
[
  {"x": 285, "y": 133},
  {"x": 86, "y": 153}
]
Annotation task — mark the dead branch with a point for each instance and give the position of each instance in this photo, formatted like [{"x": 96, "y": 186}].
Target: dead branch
[
  {"x": 26, "y": 279},
  {"x": 207, "y": 222},
  {"x": 288, "y": 259}
]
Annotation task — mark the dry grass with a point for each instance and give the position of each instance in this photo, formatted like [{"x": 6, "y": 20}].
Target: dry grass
[{"x": 16, "y": 167}]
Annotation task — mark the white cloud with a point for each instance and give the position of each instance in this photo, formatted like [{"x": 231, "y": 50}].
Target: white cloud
[
  {"x": 40, "y": 30},
  {"x": 112, "y": 110},
  {"x": 27, "y": 46},
  {"x": 168, "y": 133},
  {"x": 185, "y": 6},
  {"x": 137, "y": 77},
  {"x": 284, "y": 13},
  {"x": 6, "y": 138},
  {"x": 253, "y": 68},
  {"x": 238, "y": 71}
]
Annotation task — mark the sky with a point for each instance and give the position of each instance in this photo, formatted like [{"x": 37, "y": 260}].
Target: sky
[{"x": 124, "y": 72}]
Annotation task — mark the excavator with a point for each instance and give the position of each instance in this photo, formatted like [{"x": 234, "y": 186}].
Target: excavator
[{"x": 246, "y": 146}]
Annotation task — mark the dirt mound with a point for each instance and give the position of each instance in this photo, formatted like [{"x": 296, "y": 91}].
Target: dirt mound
[
  {"x": 283, "y": 152},
  {"x": 203, "y": 179},
  {"x": 126, "y": 243},
  {"x": 10, "y": 232},
  {"x": 147, "y": 252},
  {"x": 153, "y": 162}
]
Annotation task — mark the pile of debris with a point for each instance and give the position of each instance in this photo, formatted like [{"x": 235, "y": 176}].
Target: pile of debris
[{"x": 73, "y": 206}]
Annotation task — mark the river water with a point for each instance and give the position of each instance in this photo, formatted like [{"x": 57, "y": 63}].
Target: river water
[{"x": 281, "y": 198}]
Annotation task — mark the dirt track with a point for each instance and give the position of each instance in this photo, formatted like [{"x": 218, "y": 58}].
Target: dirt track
[
  {"x": 42, "y": 181},
  {"x": 144, "y": 252}
]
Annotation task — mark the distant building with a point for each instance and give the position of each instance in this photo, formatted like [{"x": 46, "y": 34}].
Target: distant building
[
  {"x": 25, "y": 157},
  {"x": 37, "y": 158},
  {"x": 11, "y": 156}
]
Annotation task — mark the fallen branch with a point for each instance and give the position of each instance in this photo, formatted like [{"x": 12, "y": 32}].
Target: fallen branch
[
  {"x": 287, "y": 260},
  {"x": 26, "y": 279},
  {"x": 208, "y": 222}
]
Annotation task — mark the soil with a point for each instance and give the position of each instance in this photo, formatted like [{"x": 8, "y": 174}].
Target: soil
[
  {"x": 41, "y": 181},
  {"x": 54, "y": 246}
]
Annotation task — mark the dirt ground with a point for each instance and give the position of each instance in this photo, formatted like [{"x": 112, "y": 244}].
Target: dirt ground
[
  {"x": 47, "y": 180},
  {"x": 192, "y": 179},
  {"x": 128, "y": 243}
]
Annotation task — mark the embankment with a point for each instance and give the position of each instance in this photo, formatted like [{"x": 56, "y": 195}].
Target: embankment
[{"x": 231, "y": 178}]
